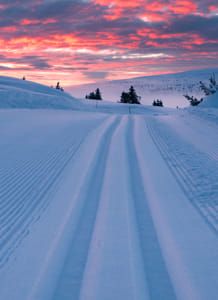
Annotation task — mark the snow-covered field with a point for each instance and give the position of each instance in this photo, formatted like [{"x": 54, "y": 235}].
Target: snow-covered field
[
  {"x": 111, "y": 203},
  {"x": 169, "y": 88}
]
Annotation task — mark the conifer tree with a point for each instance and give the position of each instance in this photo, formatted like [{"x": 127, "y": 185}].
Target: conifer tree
[
  {"x": 124, "y": 97},
  {"x": 131, "y": 97},
  {"x": 58, "y": 86},
  {"x": 193, "y": 100},
  {"x": 212, "y": 88},
  {"x": 94, "y": 95},
  {"x": 157, "y": 103},
  {"x": 208, "y": 90},
  {"x": 98, "y": 94}
]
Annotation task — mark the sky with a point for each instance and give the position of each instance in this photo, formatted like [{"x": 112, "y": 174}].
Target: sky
[{"x": 84, "y": 41}]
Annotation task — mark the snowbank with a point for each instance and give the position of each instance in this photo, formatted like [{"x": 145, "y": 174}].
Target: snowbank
[
  {"x": 16, "y": 93},
  {"x": 211, "y": 101}
]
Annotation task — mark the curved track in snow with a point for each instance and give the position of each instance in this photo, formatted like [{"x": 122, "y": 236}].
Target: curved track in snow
[{"x": 106, "y": 207}]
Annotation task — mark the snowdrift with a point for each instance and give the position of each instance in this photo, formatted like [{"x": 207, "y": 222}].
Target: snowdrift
[
  {"x": 16, "y": 93},
  {"x": 210, "y": 102}
]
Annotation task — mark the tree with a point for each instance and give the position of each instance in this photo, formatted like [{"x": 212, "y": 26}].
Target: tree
[
  {"x": 130, "y": 97},
  {"x": 98, "y": 94},
  {"x": 94, "y": 95},
  {"x": 133, "y": 97},
  {"x": 91, "y": 96},
  {"x": 212, "y": 88},
  {"x": 124, "y": 97},
  {"x": 208, "y": 90},
  {"x": 24, "y": 78},
  {"x": 193, "y": 100},
  {"x": 58, "y": 86},
  {"x": 157, "y": 103}
]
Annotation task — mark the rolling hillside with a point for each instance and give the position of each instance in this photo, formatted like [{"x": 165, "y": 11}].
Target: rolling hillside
[{"x": 170, "y": 88}]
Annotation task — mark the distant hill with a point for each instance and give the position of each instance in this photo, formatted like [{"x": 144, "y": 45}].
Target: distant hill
[{"x": 170, "y": 87}]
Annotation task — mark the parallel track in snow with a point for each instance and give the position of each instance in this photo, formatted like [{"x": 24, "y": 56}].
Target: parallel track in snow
[
  {"x": 97, "y": 202},
  {"x": 27, "y": 187},
  {"x": 151, "y": 251},
  {"x": 86, "y": 274},
  {"x": 73, "y": 268},
  {"x": 195, "y": 171}
]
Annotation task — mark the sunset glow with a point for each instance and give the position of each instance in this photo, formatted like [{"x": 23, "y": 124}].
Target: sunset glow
[{"x": 86, "y": 41}]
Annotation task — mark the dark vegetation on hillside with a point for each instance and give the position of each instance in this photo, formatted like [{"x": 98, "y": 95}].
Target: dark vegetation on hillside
[
  {"x": 95, "y": 95},
  {"x": 208, "y": 89},
  {"x": 130, "y": 97},
  {"x": 157, "y": 103}
]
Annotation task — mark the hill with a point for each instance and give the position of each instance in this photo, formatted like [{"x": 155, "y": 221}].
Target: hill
[
  {"x": 17, "y": 93},
  {"x": 170, "y": 87}
]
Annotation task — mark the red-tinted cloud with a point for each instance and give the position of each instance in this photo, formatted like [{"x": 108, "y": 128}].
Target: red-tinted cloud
[{"x": 78, "y": 41}]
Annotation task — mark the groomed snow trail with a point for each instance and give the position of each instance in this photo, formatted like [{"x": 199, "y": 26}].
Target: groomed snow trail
[{"x": 107, "y": 207}]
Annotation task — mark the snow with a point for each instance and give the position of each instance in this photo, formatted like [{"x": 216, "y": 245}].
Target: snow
[
  {"x": 210, "y": 101},
  {"x": 17, "y": 93},
  {"x": 170, "y": 88},
  {"x": 107, "y": 201}
]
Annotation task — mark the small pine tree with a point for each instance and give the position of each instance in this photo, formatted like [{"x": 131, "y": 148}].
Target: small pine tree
[
  {"x": 212, "y": 88},
  {"x": 58, "y": 86},
  {"x": 124, "y": 97},
  {"x": 98, "y": 94},
  {"x": 133, "y": 97},
  {"x": 92, "y": 96},
  {"x": 193, "y": 100},
  {"x": 208, "y": 90},
  {"x": 157, "y": 103}
]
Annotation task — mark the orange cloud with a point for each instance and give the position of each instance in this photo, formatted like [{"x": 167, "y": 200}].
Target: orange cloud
[{"x": 184, "y": 7}]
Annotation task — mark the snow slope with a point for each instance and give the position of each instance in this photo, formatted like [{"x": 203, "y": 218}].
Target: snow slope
[
  {"x": 170, "y": 88},
  {"x": 121, "y": 205},
  {"x": 16, "y": 93},
  {"x": 210, "y": 101}
]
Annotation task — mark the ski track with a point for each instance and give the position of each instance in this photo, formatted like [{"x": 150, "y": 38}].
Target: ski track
[
  {"x": 72, "y": 273},
  {"x": 195, "y": 171},
  {"x": 123, "y": 276},
  {"x": 152, "y": 256},
  {"x": 110, "y": 235},
  {"x": 190, "y": 128},
  {"x": 114, "y": 268}
]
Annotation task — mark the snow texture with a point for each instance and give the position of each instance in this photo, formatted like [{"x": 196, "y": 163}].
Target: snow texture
[
  {"x": 210, "y": 101},
  {"x": 17, "y": 93}
]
